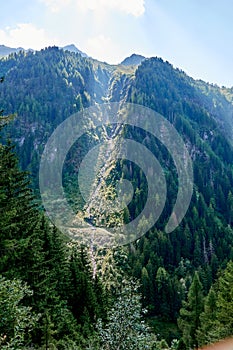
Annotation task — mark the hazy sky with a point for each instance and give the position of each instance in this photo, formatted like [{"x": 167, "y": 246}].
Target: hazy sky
[{"x": 194, "y": 35}]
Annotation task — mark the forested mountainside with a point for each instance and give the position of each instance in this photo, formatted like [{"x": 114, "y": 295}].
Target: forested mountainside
[{"x": 74, "y": 298}]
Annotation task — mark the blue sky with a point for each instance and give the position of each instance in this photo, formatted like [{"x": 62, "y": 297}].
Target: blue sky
[{"x": 194, "y": 35}]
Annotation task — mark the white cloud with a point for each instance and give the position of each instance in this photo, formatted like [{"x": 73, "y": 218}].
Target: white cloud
[
  {"x": 102, "y": 48},
  {"x": 25, "y": 35},
  {"x": 132, "y": 7},
  {"x": 135, "y": 8},
  {"x": 56, "y": 5}
]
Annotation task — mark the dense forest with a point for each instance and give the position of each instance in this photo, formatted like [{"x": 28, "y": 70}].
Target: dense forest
[{"x": 162, "y": 291}]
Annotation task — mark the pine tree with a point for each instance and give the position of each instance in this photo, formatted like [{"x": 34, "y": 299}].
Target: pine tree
[
  {"x": 230, "y": 207},
  {"x": 224, "y": 302},
  {"x": 82, "y": 296},
  {"x": 189, "y": 320},
  {"x": 217, "y": 318},
  {"x": 164, "y": 292},
  {"x": 17, "y": 213},
  {"x": 207, "y": 318},
  {"x": 145, "y": 286}
]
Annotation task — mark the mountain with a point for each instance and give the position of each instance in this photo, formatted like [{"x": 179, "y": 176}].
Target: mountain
[
  {"x": 46, "y": 87},
  {"x": 5, "y": 50},
  {"x": 133, "y": 60},
  {"x": 73, "y": 48}
]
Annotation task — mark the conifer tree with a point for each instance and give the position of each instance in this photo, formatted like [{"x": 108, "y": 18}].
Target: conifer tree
[
  {"x": 189, "y": 320},
  {"x": 216, "y": 322},
  {"x": 207, "y": 318},
  {"x": 224, "y": 302}
]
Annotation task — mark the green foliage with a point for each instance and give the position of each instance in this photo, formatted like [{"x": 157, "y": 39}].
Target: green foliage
[
  {"x": 208, "y": 319},
  {"x": 189, "y": 320},
  {"x": 224, "y": 300},
  {"x": 125, "y": 328},
  {"x": 217, "y": 318},
  {"x": 16, "y": 320}
]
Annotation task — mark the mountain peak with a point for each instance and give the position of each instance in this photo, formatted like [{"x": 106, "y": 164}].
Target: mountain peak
[
  {"x": 73, "y": 48},
  {"x": 5, "y": 50},
  {"x": 133, "y": 60}
]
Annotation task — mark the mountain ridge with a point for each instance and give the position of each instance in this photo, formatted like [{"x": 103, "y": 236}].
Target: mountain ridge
[
  {"x": 73, "y": 48},
  {"x": 113, "y": 74},
  {"x": 6, "y": 50},
  {"x": 134, "y": 59}
]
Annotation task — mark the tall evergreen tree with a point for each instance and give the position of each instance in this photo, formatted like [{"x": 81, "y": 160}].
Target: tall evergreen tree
[
  {"x": 207, "y": 318},
  {"x": 224, "y": 302},
  {"x": 189, "y": 320},
  {"x": 17, "y": 212}
]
